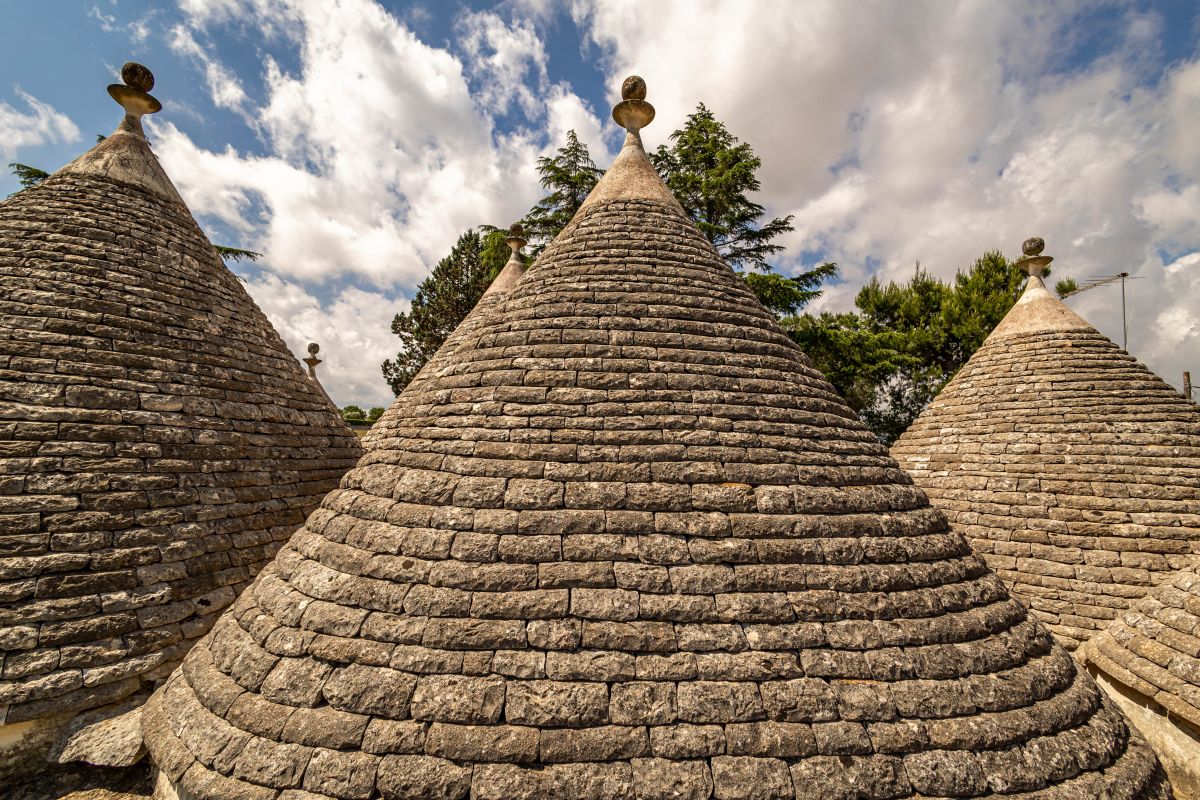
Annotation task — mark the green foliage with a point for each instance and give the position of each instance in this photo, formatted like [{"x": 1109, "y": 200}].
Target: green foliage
[
  {"x": 906, "y": 341},
  {"x": 1065, "y": 287},
  {"x": 711, "y": 173},
  {"x": 443, "y": 300},
  {"x": 353, "y": 414},
  {"x": 569, "y": 175},
  {"x": 785, "y": 296},
  {"x": 236, "y": 254},
  {"x": 375, "y": 413},
  {"x": 28, "y": 176}
]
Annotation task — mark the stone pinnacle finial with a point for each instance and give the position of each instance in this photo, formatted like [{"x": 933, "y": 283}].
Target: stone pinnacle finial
[
  {"x": 1034, "y": 263},
  {"x": 516, "y": 240},
  {"x": 312, "y": 360},
  {"x": 133, "y": 95},
  {"x": 633, "y": 112}
]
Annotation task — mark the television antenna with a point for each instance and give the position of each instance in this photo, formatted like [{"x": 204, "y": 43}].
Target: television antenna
[{"x": 1095, "y": 282}]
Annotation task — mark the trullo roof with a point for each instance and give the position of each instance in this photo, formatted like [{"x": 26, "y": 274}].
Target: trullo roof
[
  {"x": 1073, "y": 469},
  {"x": 158, "y": 441},
  {"x": 626, "y": 543},
  {"x": 1154, "y": 648}
]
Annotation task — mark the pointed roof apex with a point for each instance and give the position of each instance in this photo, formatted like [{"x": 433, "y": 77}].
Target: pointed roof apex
[
  {"x": 125, "y": 156},
  {"x": 1038, "y": 310},
  {"x": 631, "y": 176},
  {"x": 515, "y": 268}
]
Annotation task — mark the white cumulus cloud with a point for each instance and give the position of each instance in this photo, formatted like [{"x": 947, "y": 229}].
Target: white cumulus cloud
[{"x": 40, "y": 124}]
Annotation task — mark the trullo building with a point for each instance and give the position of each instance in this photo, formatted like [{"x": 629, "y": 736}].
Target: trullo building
[
  {"x": 1071, "y": 468},
  {"x": 1149, "y": 661},
  {"x": 626, "y": 542},
  {"x": 158, "y": 441}
]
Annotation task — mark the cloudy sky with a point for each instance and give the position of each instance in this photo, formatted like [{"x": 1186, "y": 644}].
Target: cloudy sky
[{"x": 352, "y": 141}]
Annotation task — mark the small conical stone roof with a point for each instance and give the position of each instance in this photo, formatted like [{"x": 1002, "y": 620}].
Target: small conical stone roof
[
  {"x": 465, "y": 333},
  {"x": 1149, "y": 662},
  {"x": 1154, "y": 648},
  {"x": 627, "y": 543},
  {"x": 158, "y": 441},
  {"x": 1073, "y": 469}
]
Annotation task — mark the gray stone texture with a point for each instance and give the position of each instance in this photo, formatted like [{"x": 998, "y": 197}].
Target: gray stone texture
[
  {"x": 1070, "y": 467},
  {"x": 1149, "y": 659},
  {"x": 158, "y": 441},
  {"x": 645, "y": 551}
]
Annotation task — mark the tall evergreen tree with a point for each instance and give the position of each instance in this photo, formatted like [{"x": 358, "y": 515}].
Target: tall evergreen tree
[
  {"x": 712, "y": 173},
  {"x": 443, "y": 300},
  {"x": 569, "y": 175}
]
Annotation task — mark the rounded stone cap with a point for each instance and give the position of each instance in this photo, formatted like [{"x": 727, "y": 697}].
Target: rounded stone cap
[
  {"x": 1033, "y": 246},
  {"x": 634, "y": 88},
  {"x": 137, "y": 76},
  {"x": 633, "y": 112},
  {"x": 313, "y": 348}
]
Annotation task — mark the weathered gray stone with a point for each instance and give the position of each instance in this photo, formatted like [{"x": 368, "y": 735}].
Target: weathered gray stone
[{"x": 708, "y": 578}]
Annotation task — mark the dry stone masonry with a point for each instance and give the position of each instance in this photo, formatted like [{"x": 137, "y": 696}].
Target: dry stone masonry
[
  {"x": 625, "y": 542},
  {"x": 1073, "y": 469},
  {"x": 158, "y": 442},
  {"x": 1149, "y": 661}
]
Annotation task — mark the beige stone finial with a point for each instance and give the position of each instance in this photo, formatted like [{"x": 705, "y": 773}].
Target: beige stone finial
[
  {"x": 516, "y": 239},
  {"x": 312, "y": 360},
  {"x": 133, "y": 95},
  {"x": 1034, "y": 263},
  {"x": 633, "y": 112}
]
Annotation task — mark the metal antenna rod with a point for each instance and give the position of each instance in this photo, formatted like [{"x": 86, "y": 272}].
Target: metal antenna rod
[{"x": 1105, "y": 281}]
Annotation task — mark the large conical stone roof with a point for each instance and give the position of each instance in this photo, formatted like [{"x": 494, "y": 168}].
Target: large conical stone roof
[
  {"x": 158, "y": 441},
  {"x": 627, "y": 543},
  {"x": 1073, "y": 469}
]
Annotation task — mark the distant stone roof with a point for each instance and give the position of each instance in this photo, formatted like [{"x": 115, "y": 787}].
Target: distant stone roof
[
  {"x": 624, "y": 541},
  {"x": 464, "y": 334},
  {"x": 158, "y": 441},
  {"x": 1154, "y": 648},
  {"x": 1073, "y": 469}
]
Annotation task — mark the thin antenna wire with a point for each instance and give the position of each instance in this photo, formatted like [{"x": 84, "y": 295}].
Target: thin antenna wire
[{"x": 1104, "y": 280}]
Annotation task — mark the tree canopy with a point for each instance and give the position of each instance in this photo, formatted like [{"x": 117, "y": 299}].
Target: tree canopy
[
  {"x": 712, "y": 174},
  {"x": 443, "y": 300},
  {"x": 892, "y": 356},
  {"x": 568, "y": 176}
]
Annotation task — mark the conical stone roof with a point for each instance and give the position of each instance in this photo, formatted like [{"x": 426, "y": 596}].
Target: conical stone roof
[
  {"x": 1154, "y": 648},
  {"x": 1148, "y": 661},
  {"x": 158, "y": 441},
  {"x": 627, "y": 543},
  {"x": 1073, "y": 469},
  {"x": 465, "y": 333}
]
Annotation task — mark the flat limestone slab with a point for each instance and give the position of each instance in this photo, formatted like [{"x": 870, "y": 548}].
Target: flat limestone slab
[{"x": 107, "y": 742}]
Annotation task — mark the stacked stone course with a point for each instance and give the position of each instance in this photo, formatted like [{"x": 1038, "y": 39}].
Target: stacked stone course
[
  {"x": 1149, "y": 660},
  {"x": 625, "y": 542},
  {"x": 158, "y": 441},
  {"x": 1073, "y": 469}
]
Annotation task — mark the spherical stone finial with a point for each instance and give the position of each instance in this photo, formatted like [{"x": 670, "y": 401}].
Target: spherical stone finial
[
  {"x": 137, "y": 77},
  {"x": 313, "y": 348},
  {"x": 1033, "y": 246},
  {"x": 634, "y": 88},
  {"x": 516, "y": 231},
  {"x": 633, "y": 112}
]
